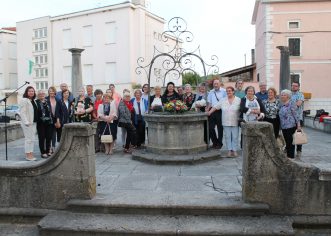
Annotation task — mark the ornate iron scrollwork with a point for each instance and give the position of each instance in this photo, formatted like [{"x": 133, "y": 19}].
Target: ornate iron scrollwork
[{"x": 176, "y": 60}]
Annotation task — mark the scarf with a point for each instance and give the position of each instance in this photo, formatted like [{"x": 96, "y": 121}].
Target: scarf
[
  {"x": 128, "y": 105},
  {"x": 249, "y": 103},
  {"x": 142, "y": 106}
]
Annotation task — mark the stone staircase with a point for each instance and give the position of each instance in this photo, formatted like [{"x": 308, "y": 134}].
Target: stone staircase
[{"x": 103, "y": 217}]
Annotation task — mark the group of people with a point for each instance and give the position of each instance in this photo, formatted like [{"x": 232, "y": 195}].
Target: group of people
[
  {"x": 47, "y": 112},
  {"x": 227, "y": 108}
]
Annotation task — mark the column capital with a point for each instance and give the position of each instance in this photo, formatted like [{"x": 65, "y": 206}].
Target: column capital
[{"x": 76, "y": 50}]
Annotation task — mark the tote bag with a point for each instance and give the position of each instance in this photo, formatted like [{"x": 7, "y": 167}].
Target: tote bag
[{"x": 299, "y": 138}]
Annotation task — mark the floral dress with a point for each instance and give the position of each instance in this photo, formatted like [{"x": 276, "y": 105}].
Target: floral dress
[{"x": 83, "y": 104}]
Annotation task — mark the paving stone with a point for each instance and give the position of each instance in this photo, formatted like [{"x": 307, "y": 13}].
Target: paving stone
[
  {"x": 137, "y": 182},
  {"x": 184, "y": 183}
]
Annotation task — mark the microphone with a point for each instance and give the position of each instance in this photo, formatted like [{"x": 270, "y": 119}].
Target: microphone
[{"x": 27, "y": 82}]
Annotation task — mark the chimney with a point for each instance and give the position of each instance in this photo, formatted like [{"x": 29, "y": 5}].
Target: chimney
[
  {"x": 253, "y": 55},
  {"x": 139, "y": 2}
]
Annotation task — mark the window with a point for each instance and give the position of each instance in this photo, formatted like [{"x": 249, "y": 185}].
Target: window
[
  {"x": 36, "y": 60},
  {"x": 67, "y": 41},
  {"x": 45, "y": 58},
  {"x": 41, "y": 46},
  {"x": 110, "y": 72},
  {"x": 42, "y": 85},
  {"x": 294, "y": 46},
  {"x": 41, "y": 59},
  {"x": 40, "y": 33},
  {"x": 110, "y": 32},
  {"x": 88, "y": 74},
  {"x": 295, "y": 77},
  {"x": 41, "y": 72},
  {"x": 293, "y": 25},
  {"x": 87, "y": 35}
]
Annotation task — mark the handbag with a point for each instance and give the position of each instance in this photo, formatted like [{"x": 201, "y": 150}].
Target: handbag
[
  {"x": 299, "y": 138},
  {"x": 108, "y": 138}
]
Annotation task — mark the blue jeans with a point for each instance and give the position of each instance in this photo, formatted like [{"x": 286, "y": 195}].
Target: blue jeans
[{"x": 231, "y": 137}]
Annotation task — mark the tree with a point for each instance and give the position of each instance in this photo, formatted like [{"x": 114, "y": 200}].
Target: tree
[{"x": 191, "y": 78}]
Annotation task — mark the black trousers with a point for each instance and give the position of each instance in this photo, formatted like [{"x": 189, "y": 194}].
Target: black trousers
[
  {"x": 45, "y": 134},
  {"x": 141, "y": 130},
  {"x": 130, "y": 134},
  {"x": 216, "y": 120},
  {"x": 288, "y": 136},
  {"x": 276, "y": 125}
]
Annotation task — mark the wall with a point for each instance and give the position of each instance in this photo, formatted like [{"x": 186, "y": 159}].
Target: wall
[
  {"x": 49, "y": 184},
  {"x": 25, "y": 47},
  {"x": 8, "y": 64}
]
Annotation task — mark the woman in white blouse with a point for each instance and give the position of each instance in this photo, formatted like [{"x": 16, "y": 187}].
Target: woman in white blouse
[
  {"x": 230, "y": 114},
  {"x": 107, "y": 113}
]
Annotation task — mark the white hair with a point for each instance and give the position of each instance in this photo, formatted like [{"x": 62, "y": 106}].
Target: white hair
[
  {"x": 41, "y": 91},
  {"x": 286, "y": 92},
  {"x": 188, "y": 85}
]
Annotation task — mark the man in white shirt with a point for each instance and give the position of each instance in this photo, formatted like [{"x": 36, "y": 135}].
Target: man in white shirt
[{"x": 215, "y": 95}]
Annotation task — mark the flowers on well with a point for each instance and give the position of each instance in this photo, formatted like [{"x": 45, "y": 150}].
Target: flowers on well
[{"x": 175, "y": 106}]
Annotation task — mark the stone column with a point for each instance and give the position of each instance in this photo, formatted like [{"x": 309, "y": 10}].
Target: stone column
[
  {"x": 284, "y": 80},
  {"x": 76, "y": 71}
]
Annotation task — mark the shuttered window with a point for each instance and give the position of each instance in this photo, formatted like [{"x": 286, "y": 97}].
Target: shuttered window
[{"x": 294, "y": 45}]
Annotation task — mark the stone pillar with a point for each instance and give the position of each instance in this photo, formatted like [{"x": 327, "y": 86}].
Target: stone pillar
[
  {"x": 284, "y": 80},
  {"x": 76, "y": 71}
]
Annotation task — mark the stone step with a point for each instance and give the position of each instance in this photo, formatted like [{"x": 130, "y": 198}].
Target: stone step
[
  {"x": 18, "y": 229},
  {"x": 212, "y": 206},
  {"x": 83, "y": 224}
]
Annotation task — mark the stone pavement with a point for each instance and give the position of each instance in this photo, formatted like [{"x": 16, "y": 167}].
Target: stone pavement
[{"x": 139, "y": 182}]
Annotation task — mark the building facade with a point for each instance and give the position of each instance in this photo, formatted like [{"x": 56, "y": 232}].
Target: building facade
[
  {"x": 303, "y": 26},
  {"x": 113, "y": 38},
  {"x": 8, "y": 64}
]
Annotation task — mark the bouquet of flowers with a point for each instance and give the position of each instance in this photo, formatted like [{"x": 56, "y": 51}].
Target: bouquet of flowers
[{"x": 175, "y": 106}]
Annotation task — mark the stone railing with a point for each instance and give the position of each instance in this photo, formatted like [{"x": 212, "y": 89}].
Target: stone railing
[
  {"x": 14, "y": 131},
  {"x": 68, "y": 174},
  {"x": 289, "y": 187}
]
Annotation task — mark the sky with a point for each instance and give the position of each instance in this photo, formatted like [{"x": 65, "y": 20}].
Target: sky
[{"x": 222, "y": 28}]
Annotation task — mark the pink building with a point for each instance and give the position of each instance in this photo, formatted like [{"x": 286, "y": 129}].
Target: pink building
[{"x": 303, "y": 26}]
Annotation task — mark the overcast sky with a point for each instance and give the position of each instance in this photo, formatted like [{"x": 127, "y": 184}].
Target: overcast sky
[{"x": 220, "y": 27}]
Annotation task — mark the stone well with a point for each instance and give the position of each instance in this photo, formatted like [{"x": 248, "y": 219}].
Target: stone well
[{"x": 176, "y": 138}]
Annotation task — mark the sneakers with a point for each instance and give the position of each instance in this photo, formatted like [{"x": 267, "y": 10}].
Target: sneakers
[{"x": 30, "y": 158}]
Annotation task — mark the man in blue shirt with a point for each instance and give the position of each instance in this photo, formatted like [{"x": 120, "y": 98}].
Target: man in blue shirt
[
  {"x": 263, "y": 94},
  {"x": 64, "y": 87},
  {"x": 214, "y": 96},
  {"x": 298, "y": 99}
]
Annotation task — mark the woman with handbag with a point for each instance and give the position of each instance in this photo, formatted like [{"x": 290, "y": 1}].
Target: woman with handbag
[
  {"x": 29, "y": 114},
  {"x": 107, "y": 113},
  {"x": 289, "y": 121},
  {"x": 44, "y": 125},
  {"x": 55, "y": 107},
  {"x": 125, "y": 118}
]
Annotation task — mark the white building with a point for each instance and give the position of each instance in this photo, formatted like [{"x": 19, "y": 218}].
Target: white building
[
  {"x": 113, "y": 38},
  {"x": 8, "y": 64}
]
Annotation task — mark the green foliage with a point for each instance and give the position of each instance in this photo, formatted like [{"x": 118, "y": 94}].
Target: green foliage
[
  {"x": 191, "y": 78},
  {"x": 136, "y": 86}
]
